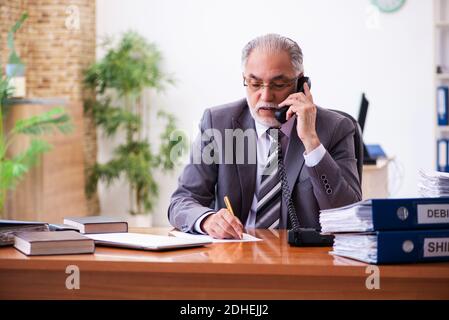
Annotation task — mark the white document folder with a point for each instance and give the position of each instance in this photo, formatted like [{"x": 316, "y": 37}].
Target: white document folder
[{"x": 144, "y": 241}]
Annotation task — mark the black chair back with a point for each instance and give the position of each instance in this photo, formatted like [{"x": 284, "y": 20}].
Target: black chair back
[{"x": 358, "y": 142}]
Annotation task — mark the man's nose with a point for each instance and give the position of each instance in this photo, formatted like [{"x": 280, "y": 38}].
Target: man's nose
[{"x": 267, "y": 94}]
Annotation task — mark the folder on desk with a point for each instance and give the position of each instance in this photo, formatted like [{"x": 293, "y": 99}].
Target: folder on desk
[
  {"x": 142, "y": 241},
  {"x": 385, "y": 247},
  {"x": 442, "y": 105},
  {"x": 387, "y": 214}
]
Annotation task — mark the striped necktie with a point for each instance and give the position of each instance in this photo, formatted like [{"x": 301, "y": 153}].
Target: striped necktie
[{"x": 268, "y": 210}]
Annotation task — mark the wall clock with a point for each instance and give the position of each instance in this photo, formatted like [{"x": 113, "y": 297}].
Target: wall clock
[{"x": 388, "y": 6}]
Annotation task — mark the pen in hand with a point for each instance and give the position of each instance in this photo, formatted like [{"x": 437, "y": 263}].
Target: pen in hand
[{"x": 229, "y": 207}]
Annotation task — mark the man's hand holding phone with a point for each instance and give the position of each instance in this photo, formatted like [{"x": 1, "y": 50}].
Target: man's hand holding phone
[{"x": 301, "y": 104}]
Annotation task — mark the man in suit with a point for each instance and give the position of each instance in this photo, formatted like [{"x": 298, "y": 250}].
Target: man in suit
[{"x": 316, "y": 146}]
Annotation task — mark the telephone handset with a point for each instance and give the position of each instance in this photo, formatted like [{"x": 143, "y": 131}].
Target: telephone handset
[{"x": 281, "y": 114}]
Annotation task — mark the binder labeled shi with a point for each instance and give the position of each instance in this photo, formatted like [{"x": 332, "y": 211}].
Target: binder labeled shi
[
  {"x": 385, "y": 247},
  {"x": 442, "y": 105},
  {"x": 387, "y": 214},
  {"x": 442, "y": 155}
]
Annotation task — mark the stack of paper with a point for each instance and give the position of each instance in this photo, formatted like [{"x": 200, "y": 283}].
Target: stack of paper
[
  {"x": 433, "y": 184},
  {"x": 356, "y": 217},
  {"x": 357, "y": 246}
]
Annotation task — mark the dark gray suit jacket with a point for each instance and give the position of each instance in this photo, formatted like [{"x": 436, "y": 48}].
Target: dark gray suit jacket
[{"x": 333, "y": 182}]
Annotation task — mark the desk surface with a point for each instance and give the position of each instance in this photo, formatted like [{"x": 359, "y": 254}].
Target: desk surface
[{"x": 267, "y": 269}]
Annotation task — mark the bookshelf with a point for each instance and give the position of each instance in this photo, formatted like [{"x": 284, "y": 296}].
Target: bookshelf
[{"x": 441, "y": 75}]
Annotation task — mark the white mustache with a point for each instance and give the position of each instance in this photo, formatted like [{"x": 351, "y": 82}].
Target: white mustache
[{"x": 268, "y": 105}]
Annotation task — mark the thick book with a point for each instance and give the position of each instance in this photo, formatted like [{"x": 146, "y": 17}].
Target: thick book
[
  {"x": 387, "y": 214},
  {"x": 97, "y": 224},
  {"x": 386, "y": 247},
  {"x": 9, "y": 227},
  {"x": 52, "y": 242}
]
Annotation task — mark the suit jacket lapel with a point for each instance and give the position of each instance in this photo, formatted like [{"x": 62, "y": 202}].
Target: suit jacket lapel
[
  {"x": 294, "y": 161},
  {"x": 246, "y": 171}
]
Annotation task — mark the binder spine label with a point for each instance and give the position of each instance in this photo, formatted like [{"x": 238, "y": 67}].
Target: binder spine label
[
  {"x": 433, "y": 213},
  {"x": 436, "y": 247}
]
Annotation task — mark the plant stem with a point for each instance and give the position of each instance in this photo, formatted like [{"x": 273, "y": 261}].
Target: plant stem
[{"x": 2, "y": 157}]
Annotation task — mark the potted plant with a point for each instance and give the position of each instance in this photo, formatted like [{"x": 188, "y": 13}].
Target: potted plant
[
  {"x": 119, "y": 80},
  {"x": 15, "y": 68},
  {"x": 13, "y": 167}
]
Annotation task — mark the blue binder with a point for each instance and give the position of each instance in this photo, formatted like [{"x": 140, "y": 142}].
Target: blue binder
[
  {"x": 442, "y": 105},
  {"x": 412, "y": 246},
  {"x": 442, "y": 155},
  {"x": 410, "y": 213}
]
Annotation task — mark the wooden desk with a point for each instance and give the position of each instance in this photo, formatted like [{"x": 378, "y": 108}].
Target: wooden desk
[{"x": 258, "y": 270}]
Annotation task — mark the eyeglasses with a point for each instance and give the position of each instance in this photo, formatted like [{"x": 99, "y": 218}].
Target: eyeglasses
[{"x": 255, "y": 85}]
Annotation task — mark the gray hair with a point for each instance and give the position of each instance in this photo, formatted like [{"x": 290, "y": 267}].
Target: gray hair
[{"x": 273, "y": 43}]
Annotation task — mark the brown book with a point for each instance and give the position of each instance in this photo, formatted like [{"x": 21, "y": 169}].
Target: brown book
[
  {"x": 53, "y": 242},
  {"x": 97, "y": 224}
]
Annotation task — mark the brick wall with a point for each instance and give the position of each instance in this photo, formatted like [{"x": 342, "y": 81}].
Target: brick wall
[{"x": 56, "y": 49}]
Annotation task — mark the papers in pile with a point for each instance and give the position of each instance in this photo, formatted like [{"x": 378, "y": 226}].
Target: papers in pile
[
  {"x": 433, "y": 183},
  {"x": 356, "y": 217},
  {"x": 357, "y": 246}
]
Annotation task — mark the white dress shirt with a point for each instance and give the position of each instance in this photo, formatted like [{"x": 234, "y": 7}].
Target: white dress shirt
[{"x": 263, "y": 147}]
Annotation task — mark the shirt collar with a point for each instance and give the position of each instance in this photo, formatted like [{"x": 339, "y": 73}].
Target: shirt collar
[
  {"x": 260, "y": 129},
  {"x": 286, "y": 128}
]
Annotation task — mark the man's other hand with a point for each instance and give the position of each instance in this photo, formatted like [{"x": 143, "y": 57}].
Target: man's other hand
[{"x": 223, "y": 225}]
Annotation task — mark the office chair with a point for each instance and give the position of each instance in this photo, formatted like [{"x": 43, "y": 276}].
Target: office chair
[{"x": 358, "y": 142}]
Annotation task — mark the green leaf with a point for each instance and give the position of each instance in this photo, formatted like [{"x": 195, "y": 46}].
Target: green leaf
[
  {"x": 48, "y": 122},
  {"x": 13, "y": 170},
  {"x": 30, "y": 157},
  {"x": 110, "y": 119},
  {"x": 167, "y": 157},
  {"x": 19, "y": 23},
  {"x": 13, "y": 57},
  {"x": 129, "y": 67}
]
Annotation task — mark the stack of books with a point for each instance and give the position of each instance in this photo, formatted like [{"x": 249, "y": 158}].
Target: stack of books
[
  {"x": 433, "y": 183},
  {"x": 39, "y": 238},
  {"x": 81, "y": 234},
  {"x": 382, "y": 231}
]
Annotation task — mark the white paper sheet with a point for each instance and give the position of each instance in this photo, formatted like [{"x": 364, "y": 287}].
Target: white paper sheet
[{"x": 179, "y": 234}]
